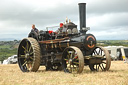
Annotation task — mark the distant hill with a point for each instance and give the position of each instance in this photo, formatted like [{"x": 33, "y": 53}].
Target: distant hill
[
  {"x": 112, "y": 42},
  {"x": 7, "y": 39}
]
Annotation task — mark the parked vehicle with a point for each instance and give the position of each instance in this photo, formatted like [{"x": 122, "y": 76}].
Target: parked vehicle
[{"x": 11, "y": 60}]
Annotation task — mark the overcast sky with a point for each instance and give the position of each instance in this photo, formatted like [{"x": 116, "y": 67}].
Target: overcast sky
[{"x": 107, "y": 19}]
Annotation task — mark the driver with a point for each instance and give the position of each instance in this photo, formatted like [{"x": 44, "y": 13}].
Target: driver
[{"x": 34, "y": 29}]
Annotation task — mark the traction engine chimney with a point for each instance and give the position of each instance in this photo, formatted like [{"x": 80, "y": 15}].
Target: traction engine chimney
[{"x": 82, "y": 16}]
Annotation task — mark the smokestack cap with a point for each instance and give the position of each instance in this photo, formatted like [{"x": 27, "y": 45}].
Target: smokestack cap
[{"x": 81, "y": 3}]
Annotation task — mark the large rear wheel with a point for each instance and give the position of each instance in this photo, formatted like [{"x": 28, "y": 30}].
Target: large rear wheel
[
  {"x": 29, "y": 55},
  {"x": 72, "y": 60}
]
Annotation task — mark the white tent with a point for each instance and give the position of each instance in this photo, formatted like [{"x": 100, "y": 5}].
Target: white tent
[{"x": 118, "y": 52}]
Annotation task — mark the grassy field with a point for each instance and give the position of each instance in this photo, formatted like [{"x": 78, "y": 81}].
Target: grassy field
[
  {"x": 7, "y": 51},
  {"x": 12, "y": 75},
  {"x": 5, "y": 46}
]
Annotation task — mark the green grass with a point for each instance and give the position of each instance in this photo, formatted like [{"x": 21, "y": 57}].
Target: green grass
[{"x": 5, "y": 46}]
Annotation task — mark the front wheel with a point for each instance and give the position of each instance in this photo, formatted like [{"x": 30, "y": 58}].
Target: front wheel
[{"x": 105, "y": 59}]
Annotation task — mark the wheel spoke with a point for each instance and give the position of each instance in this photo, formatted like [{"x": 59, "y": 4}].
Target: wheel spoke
[
  {"x": 27, "y": 46},
  {"x": 31, "y": 58},
  {"x": 103, "y": 66},
  {"x": 71, "y": 57},
  {"x": 103, "y": 59},
  {"x": 21, "y": 56},
  {"x": 66, "y": 59},
  {"x": 24, "y": 59},
  {"x": 68, "y": 52},
  {"x": 95, "y": 52},
  {"x": 96, "y": 67},
  {"x": 30, "y": 48},
  {"x": 25, "y": 63},
  {"x": 31, "y": 53},
  {"x": 104, "y": 62},
  {"x": 75, "y": 62},
  {"x": 73, "y": 54},
  {"x": 24, "y": 49},
  {"x": 68, "y": 56},
  {"x": 24, "y": 52},
  {"x": 99, "y": 52},
  {"x": 104, "y": 55}
]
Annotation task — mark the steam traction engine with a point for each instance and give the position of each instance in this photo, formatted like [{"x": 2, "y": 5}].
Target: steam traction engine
[{"x": 65, "y": 49}]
